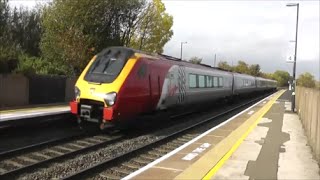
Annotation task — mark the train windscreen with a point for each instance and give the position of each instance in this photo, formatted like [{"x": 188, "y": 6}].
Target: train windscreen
[{"x": 108, "y": 65}]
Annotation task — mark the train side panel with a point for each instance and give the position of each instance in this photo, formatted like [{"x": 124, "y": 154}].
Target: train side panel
[{"x": 244, "y": 84}]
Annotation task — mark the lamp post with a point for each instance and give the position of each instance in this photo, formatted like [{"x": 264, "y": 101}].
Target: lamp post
[
  {"x": 295, "y": 57},
  {"x": 181, "y": 49}
]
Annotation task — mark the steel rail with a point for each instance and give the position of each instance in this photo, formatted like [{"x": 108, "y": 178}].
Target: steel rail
[
  {"x": 100, "y": 166},
  {"x": 12, "y": 173}
]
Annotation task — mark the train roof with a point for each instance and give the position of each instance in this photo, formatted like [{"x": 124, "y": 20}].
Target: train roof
[{"x": 171, "y": 58}]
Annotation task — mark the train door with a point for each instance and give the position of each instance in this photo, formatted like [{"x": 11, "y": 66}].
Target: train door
[
  {"x": 233, "y": 84},
  {"x": 154, "y": 86}
]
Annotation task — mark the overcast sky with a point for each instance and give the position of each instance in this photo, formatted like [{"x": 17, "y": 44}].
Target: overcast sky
[
  {"x": 257, "y": 32},
  {"x": 253, "y": 31}
]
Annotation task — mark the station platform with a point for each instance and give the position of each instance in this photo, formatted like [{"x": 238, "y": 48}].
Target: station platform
[
  {"x": 265, "y": 141},
  {"x": 7, "y": 116}
]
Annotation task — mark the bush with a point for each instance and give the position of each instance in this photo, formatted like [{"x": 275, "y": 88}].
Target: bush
[
  {"x": 36, "y": 65},
  {"x": 306, "y": 80},
  {"x": 8, "y": 59}
]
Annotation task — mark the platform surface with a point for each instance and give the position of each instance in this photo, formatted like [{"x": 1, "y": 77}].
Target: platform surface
[
  {"x": 265, "y": 141},
  {"x": 16, "y": 114}
]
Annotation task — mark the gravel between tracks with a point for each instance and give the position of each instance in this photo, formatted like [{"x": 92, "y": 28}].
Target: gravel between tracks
[
  {"x": 80, "y": 162},
  {"x": 70, "y": 166},
  {"x": 62, "y": 169}
]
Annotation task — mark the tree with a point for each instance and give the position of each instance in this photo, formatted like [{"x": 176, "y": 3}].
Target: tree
[
  {"x": 4, "y": 19},
  {"x": 306, "y": 80},
  {"x": 195, "y": 60},
  {"x": 76, "y": 30},
  {"x": 254, "y": 70},
  {"x": 153, "y": 29},
  {"x": 224, "y": 65},
  {"x": 267, "y": 75},
  {"x": 282, "y": 77},
  {"x": 242, "y": 67}
]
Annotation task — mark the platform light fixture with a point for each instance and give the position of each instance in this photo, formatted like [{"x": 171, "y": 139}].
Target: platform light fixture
[
  {"x": 181, "y": 48},
  {"x": 295, "y": 57}
]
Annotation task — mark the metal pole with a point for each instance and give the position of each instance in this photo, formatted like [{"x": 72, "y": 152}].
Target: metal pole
[
  {"x": 294, "y": 63},
  {"x": 181, "y": 51},
  {"x": 215, "y": 60}
]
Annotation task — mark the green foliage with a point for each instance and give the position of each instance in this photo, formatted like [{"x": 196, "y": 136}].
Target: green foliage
[
  {"x": 282, "y": 77},
  {"x": 153, "y": 29},
  {"x": 267, "y": 75},
  {"x": 25, "y": 30},
  {"x": 306, "y": 80},
  {"x": 242, "y": 67},
  {"x": 254, "y": 70},
  {"x": 8, "y": 59},
  {"x": 68, "y": 33},
  {"x": 224, "y": 65},
  {"x": 195, "y": 60},
  {"x": 20, "y": 32},
  {"x": 35, "y": 65},
  {"x": 75, "y": 30}
]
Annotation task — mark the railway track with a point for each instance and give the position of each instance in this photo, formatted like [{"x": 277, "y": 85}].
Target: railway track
[
  {"x": 122, "y": 160},
  {"x": 129, "y": 161},
  {"x": 27, "y": 158}
]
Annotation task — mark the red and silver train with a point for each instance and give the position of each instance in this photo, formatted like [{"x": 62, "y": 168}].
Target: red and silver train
[{"x": 121, "y": 83}]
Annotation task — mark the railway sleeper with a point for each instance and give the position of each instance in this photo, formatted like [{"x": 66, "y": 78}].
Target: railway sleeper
[
  {"x": 149, "y": 157},
  {"x": 65, "y": 148},
  {"x": 109, "y": 176},
  {"x": 54, "y": 152},
  {"x": 141, "y": 161},
  {"x": 85, "y": 142},
  {"x": 161, "y": 151},
  {"x": 156, "y": 153},
  {"x": 41, "y": 155},
  {"x": 184, "y": 139},
  {"x": 175, "y": 144},
  {"x": 23, "y": 158},
  {"x": 77, "y": 145},
  {"x": 2, "y": 171},
  {"x": 95, "y": 140},
  {"x": 13, "y": 163},
  {"x": 131, "y": 165},
  {"x": 171, "y": 147},
  {"x": 121, "y": 170}
]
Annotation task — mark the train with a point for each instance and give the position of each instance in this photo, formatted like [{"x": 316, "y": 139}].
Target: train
[{"x": 120, "y": 83}]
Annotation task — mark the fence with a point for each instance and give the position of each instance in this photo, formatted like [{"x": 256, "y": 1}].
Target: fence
[
  {"x": 18, "y": 90},
  {"x": 308, "y": 108}
]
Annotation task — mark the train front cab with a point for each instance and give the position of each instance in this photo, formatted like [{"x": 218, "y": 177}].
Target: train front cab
[{"x": 97, "y": 89}]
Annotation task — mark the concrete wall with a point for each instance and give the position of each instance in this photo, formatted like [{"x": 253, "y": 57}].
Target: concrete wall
[
  {"x": 14, "y": 90},
  {"x": 308, "y": 108},
  {"x": 70, "y": 82}
]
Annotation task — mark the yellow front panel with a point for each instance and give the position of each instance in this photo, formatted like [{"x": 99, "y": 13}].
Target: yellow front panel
[{"x": 104, "y": 88}]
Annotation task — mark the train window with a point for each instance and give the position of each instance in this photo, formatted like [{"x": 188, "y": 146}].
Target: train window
[
  {"x": 209, "y": 81},
  {"x": 192, "y": 80},
  {"x": 108, "y": 65},
  {"x": 220, "y": 82},
  {"x": 202, "y": 82},
  {"x": 215, "y": 81}
]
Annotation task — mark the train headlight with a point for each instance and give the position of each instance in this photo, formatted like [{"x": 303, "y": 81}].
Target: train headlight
[
  {"x": 77, "y": 92},
  {"x": 110, "y": 98}
]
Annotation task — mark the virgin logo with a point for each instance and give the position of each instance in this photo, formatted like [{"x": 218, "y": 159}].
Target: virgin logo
[{"x": 172, "y": 90}]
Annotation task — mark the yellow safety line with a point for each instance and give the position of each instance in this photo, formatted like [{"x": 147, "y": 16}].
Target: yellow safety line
[{"x": 220, "y": 163}]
